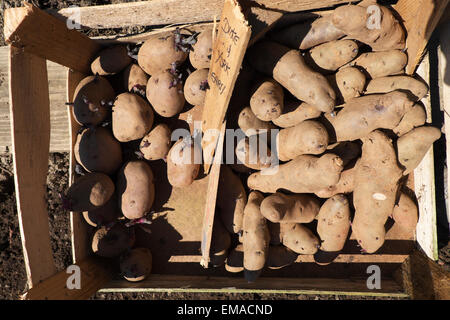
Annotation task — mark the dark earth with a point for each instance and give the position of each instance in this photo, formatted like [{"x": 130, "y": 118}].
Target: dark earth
[{"x": 12, "y": 269}]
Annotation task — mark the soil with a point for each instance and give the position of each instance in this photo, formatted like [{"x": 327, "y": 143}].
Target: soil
[{"x": 12, "y": 268}]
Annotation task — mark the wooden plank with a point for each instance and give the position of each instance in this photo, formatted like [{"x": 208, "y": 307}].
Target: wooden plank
[
  {"x": 426, "y": 231},
  {"x": 228, "y": 52},
  {"x": 94, "y": 274},
  {"x": 211, "y": 198},
  {"x": 420, "y": 18},
  {"x": 30, "y": 127},
  {"x": 39, "y": 33},
  {"x": 444, "y": 85},
  {"x": 160, "y": 12},
  {"x": 314, "y": 286},
  {"x": 59, "y": 133}
]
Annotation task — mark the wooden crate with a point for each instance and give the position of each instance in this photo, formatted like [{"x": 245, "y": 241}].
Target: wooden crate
[{"x": 31, "y": 46}]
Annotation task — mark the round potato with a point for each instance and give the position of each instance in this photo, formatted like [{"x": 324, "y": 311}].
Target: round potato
[
  {"x": 132, "y": 117},
  {"x": 196, "y": 86},
  {"x": 111, "y": 60},
  {"x": 135, "y": 79},
  {"x": 200, "y": 55},
  {"x": 267, "y": 101},
  {"x": 92, "y": 98},
  {"x": 165, "y": 94},
  {"x": 156, "y": 144},
  {"x": 183, "y": 163},
  {"x": 97, "y": 150},
  {"x": 251, "y": 125},
  {"x": 136, "y": 265},
  {"x": 112, "y": 242}
]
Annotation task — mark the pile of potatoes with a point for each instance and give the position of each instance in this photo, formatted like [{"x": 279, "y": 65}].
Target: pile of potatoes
[
  {"x": 351, "y": 128},
  {"x": 128, "y": 109}
]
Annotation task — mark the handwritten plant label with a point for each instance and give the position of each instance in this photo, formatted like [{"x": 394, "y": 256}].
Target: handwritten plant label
[{"x": 233, "y": 34}]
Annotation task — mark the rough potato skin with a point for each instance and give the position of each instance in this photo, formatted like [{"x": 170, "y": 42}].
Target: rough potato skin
[
  {"x": 417, "y": 88},
  {"x": 91, "y": 98},
  {"x": 362, "y": 115},
  {"x": 156, "y": 144},
  {"x": 254, "y": 153},
  {"x": 413, "y": 146},
  {"x": 295, "y": 208},
  {"x": 289, "y": 69},
  {"x": 200, "y": 55},
  {"x": 104, "y": 215},
  {"x": 89, "y": 192},
  {"x": 132, "y": 117},
  {"x": 195, "y": 87},
  {"x": 308, "y": 35},
  {"x": 158, "y": 53},
  {"x": 374, "y": 195},
  {"x": 135, "y": 79},
  {"x": 414, "y": 118},
  {"x": 280, "y": 257},
  {"x": 332, "y": 55},
  {"x": 98, "y": 151},
  {"x": 111, "y": 60},
  {"x": 135, "y": 189},
  {"x": 235, "y": 259},
  {"x": 251, "y": 125},
  {"x": 350, "y": 82},
  {"x": 231, "y": 200},
  {"x": 164, "y": 95},
  {"x": 346, "y": 184},
  {"x": 333, "y": 223},
  {"x": 267, "y": 100},
  {"x": 304, "y": 174},
  {"x": 352, "y": 20},
  {"x": 256, "y": 237},
  {"x": 183, "y": 163},
  {"x": 296, "y": 112},
  {"x": 381, "y": 64},
  {"x": 112, "y": 242},
  {"x": 308, "y": 137},
  {"x": 298, "y": 238},
  {"x": 406, "y": 214},
  {"x": 136, "y": 265},
  {"x": 220, "y": 243}
]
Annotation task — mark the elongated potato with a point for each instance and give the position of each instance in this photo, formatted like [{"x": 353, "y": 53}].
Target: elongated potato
[
  {"x": 333, "y": 223},
  {"x": 135, "y": 79},
  {"x": 414, "y": 118},
  {"x": 289, "y": 69},
  {"x": 251, "y": 125},
  {"x": 406, "y": 214},
  {"x": 105, "y": 214},
  {"x": 332, "y": 55},
  {"x": 346, "y": 184},
  {"x": 132, "y": 117},
  {"x": 183, "y": 163},
  {"x": 307, "y": 35},
  {"x": 417, "y": 88},
  {"x": 350, "y": 82},
  {"x": 97, "y": 150},
  {"x": 308, "y": 137},
  {"x": 235, "y": 259},
  {"x": 362, "y": 115},
  {"x": 294, "y": 113},
  {"x": 267, "y": 101},
  {"x": 231, "y": 200},
  {"x": 220, "y": 243},
  {"x": 304, "y": 174},
  {"x": 295, "y": 208},
  {"x": 111, "y": 60},
  {"x": 280, "y": 257},
  {"x": 135, "y": 189},
  {"x": 92, "y": 99},
  {"x": 376, "y": 185},
  {"x": 196, "y": 86},
  {"x": 382, "y": 64},
  {"x": 156, "y": 144},
  {"x": 254, "y": 153},
  {"x": 200, "y": 55},
  {"x": 158, "y": 53},
  {"x": 165, "y": 94},
  {"x": 413, "y": 146},
  {"x": 255, "y": 238},
  {"x": 298, "y": 238},
  {"x": 112, "y": 242},
  {"x": 136, "y": 265}
]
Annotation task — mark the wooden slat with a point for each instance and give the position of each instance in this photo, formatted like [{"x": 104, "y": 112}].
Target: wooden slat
[
  {"x": 179, "y": 283},
  {"x": 30, "y": 127},
  {"x": 39, "y": 33},
  {"x": 424, "y": 184},
  {"x": 94, "y": 275},
  {"x": 160, "y": 12},
  {"x": 420, "y": 17}
]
